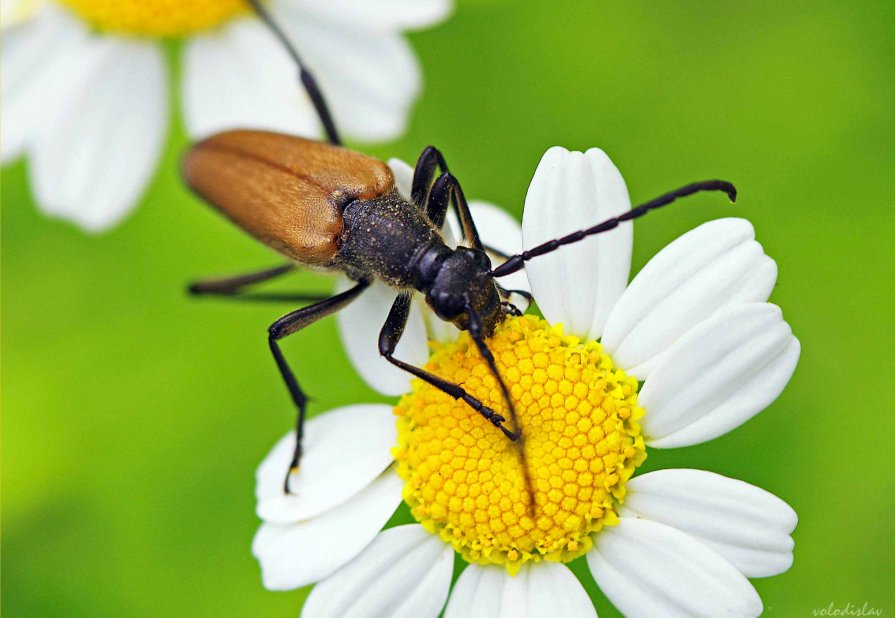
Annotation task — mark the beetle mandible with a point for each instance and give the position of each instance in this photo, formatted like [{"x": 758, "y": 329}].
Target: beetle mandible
[{"x": 324, "y": 206}]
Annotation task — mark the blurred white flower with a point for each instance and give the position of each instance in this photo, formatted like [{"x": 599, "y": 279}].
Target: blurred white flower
[{"x": 85, "y": 84}]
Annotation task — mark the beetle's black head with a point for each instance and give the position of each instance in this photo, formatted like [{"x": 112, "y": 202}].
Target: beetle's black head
[{"x": 464, "y": 280}]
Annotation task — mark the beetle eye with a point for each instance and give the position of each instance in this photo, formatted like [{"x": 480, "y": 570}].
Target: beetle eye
[
  {"x": 447, "y": 306},
  {"x": 482, "y": 260}
]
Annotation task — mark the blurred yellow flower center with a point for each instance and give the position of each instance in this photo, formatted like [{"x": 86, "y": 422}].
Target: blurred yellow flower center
[
  {"x": 464, "y": 478},
  {"x": 158, "y": 18}
]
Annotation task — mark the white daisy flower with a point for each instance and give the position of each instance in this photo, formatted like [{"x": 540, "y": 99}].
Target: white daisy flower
[
  {"x": 693, "y": 326},
  {"x": 85, "y": 84}
]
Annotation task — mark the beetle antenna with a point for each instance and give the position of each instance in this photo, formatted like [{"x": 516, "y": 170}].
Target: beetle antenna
[
  {"x": 516, "y": 262},
  {"x": 529, "y": 298},
  {"x": 304, "y": 75},
  {"x": 475, "y": 329}
]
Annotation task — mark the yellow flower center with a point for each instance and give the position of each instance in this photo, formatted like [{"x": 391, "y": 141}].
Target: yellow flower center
[
  {"x": 464, "y": 478},
  {"x": 157, "y": 18}
]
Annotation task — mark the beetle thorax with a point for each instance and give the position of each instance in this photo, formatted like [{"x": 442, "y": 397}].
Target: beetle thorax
[{"x": 382, "y": 239}]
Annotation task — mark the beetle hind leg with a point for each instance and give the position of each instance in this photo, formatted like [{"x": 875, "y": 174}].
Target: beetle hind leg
[
  {"x": 240, "y": 287},
  {"x": 308, "y": 82}
]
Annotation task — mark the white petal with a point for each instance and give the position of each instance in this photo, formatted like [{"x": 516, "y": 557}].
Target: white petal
[
  {"x": 403, "y": 176},
  {"x": 542, "y": 589},
  {"x": 478, "y": 593},
  {"x": 295, "y": 555},
  {"x": 370, "y": 83},
  {"x": 40, "y": 66},
  {"x": 577, "y": 285},
  {"x": 499, "y": 230},
  {"x": 650, "y": 569},
  {"x": 404, "y": 572},
  {"x": 336, "y": 464},
  {"x": 546, "y": 589},
  {"x": 239, "y": 76},
  {"x": 710, "y": 268},
  {"x": 384, "y": 15},
  {"x": 718, "y": 376},
  {"x": 748, "y": 526},
  {"x": 93, "y": 159},
  {"x": 359, "y": 325}
]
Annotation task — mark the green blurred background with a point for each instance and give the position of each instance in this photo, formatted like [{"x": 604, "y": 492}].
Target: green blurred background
[{"x": 134, "y": 417}]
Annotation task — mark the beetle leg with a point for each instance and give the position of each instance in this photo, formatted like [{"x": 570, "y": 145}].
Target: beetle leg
[
  {"x": 304, "y": 75},
  {"x": 445, "y": 191},
  {"x": 235, "y": 287},
  {"x": 475, "y": 330},
  {"x": 430, "y": 160},
  {"x": 388, "y": 340},
  {"x": 507, "y": 296},
  {"x": 511, "y": 309},
  {"x": 285, "y": 326},
  {"x": 508, "y": 293},
  {"x": 497, "y": 253}
]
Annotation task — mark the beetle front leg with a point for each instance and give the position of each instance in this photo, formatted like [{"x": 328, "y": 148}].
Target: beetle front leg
[{"x": 388, "y": 340}]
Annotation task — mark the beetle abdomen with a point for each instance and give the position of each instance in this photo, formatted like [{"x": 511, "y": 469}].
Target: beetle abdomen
[{"x": 288, "y": 192}]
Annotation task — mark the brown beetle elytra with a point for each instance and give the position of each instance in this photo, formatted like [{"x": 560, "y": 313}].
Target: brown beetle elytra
[{"x": 288, "y": 192}]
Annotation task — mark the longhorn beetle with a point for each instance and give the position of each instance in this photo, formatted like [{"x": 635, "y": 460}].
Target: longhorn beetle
[{"x": 322, "y": 205}]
